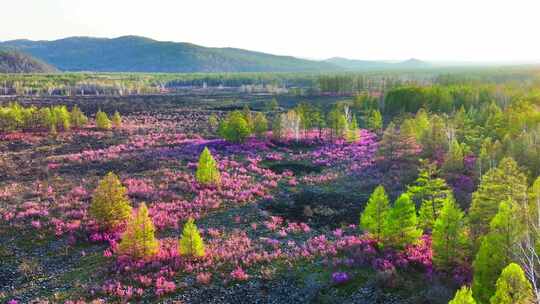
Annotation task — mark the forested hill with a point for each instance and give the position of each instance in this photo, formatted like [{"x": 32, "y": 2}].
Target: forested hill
[
  {"x": 17, "y": 62},
  {"x": 139, "y": 54}
]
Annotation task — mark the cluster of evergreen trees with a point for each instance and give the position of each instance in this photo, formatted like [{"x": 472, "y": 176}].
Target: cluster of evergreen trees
[
  {"x": 111, "y": 209},
  {"x": 15, "y": 117},
  {"x": 498, "y": 233}
]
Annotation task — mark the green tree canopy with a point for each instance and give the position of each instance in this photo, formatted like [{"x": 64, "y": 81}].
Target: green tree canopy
[
  {"x": 375, "y": 213},
  {"x": 138, "y": 241},
  {"x": 207, "y": 169},
  {"x": 110, "y": 205},
  {"x": 400, "y": 227},
  {"x": 512, "y": 287},
  {"x": 191, "y": 243}
]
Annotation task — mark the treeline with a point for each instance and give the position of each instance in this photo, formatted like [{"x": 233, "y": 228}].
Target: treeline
[
  {"x": 477, "y": 151},
  {"x": 304, "y": 122},
  {"x": 15, "y": 117}
]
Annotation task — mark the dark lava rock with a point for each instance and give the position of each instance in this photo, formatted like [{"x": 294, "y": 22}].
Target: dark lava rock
[{"x": 319, "y": 207}]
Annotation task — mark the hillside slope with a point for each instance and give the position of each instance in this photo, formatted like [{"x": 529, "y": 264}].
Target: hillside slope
[
  {"x": 17, "y": 62},
  {"x": 139, "y": 54}
]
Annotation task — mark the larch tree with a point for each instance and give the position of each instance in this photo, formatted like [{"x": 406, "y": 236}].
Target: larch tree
[
  {"x": 191, "y": 243},
  {"x": 449, "y": 235},
  {"x": 429, "y": 193},
  {"x": 138, "y": 241},
  {"x": 512, "y": 287},
  {"x": 78, "y": 119},
  {"x": 117, "y": 120},
  {"x": 463, "y": 296},
  {"x": 497, "y": 249},
  {"x": 400, "y": 227},
  {"x": 260, "y": 125},
  {"x": 374, "y": 120},
  {"x": 207, "y": 170},
  {"x": 102, "y": 121},
  {"x": 353, "y": 133},
  {"x": 506, "y": 182},
  {"x": 375, "y": 213},
  {"x": 110, "y": 205}
]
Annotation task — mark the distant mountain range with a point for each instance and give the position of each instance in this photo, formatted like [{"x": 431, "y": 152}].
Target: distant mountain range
[
  {"x": 139, "y": 54},
  {"x": 16, "y": 62},
  {"x": 352, "y": 64}
]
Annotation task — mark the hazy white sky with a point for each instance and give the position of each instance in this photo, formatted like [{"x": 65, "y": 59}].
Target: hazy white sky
[{"x": 455, "y": 30}]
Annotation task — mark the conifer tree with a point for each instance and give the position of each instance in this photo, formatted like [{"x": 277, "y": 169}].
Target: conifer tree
[
  {"x": 102, "y": 121},
  {"x": 117, "y": 120},
  {"x": 506, "y": 182},
  {"x": 375, "y": 213},
  {"x": 207, "y": 169},
  {"x": 353, "y": 134},
  {"x": 78, "y": 119},
  {"x": 512, "y": 287},
  {"x": 374, "y": 121},
  {"x": 400, "y": 227},
  {"x": 260, "y": 125},
  {"x": 191, "y": 243},
  {"x": 277, "y": 128},
  {"x": 429, "y": 192},
  {"x": 138, "y": 241},
  {"x": 110, "y": 204},
  {"x": 449, "y": 237},
  {"x": 463, "y": 296},
  {"x": 496, "y": 251},
  {"x": 454, "y": 158}
]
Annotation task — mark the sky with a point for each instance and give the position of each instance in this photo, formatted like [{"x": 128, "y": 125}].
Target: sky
[{"x": 432, "y": 30}]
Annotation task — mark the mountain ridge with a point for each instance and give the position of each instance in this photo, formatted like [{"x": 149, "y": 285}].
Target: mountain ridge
[{"x": 141, "y": 54}]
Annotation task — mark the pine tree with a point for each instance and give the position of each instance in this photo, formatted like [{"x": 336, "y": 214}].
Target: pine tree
[
  {"x": 260, "y": 125},
  {"x": 207, "y": 169},
  {"x": 449, "y": 237},
  {"x": 102, "y": 121},
  {"x": 138, "y": 241},
  {"x": 375, "y": 213},
  {"x": 117, "y": 120},
  {"x": 191, "y": 243},
  {"x": 110, "y": 204},
  {"x": 506, "y": 182},
  {"x": 400, "y": 227},
  {"x": 463, "y": 296},
  {"x": 429, "y": 192},
  {"x": 496, "y": 251},
  {"x": 512, "y": 287}
]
